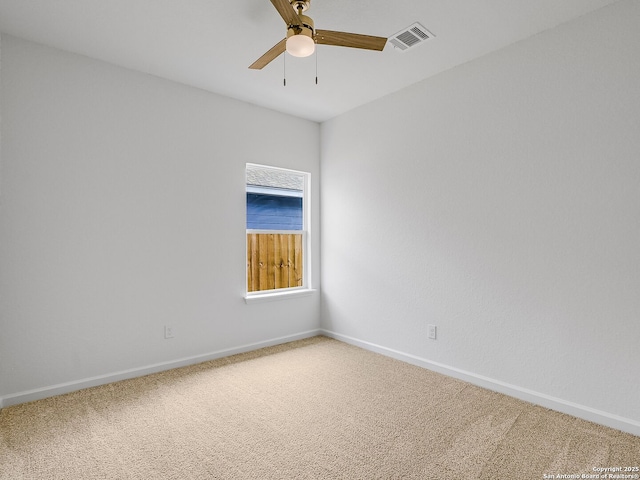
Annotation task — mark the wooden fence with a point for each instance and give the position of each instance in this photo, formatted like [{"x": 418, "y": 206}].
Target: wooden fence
[{"x": 274, "y": 260}]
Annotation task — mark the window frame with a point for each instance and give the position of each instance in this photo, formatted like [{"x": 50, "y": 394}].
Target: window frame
[{"x": 306, "y": 287}]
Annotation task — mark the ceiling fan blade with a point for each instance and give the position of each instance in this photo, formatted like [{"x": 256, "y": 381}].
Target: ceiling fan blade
[
  {"x": 271, "y": 55},
  {"x": 353, "y": 40},
  {"x": 287, "y": 12}
]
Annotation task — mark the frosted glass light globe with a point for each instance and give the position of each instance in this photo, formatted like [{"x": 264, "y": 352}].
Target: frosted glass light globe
[{"x": 300, "y": 45}]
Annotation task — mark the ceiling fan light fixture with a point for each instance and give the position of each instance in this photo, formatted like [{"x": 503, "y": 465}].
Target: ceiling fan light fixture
[
  {"x": 300, "y": 44},
  {"x": 302, "y": 36}
]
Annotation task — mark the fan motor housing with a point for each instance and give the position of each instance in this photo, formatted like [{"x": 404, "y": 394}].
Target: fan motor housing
[
  {"x": 302, "y": 30},
  {"x": 307, "y": 27}
]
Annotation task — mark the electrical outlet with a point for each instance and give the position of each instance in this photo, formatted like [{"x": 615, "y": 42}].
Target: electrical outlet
[
  {"x": 168, "y": 331},
  {"x": 431, "y": 331}
]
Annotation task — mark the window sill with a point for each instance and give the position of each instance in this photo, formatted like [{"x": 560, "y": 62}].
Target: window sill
[{"x": 274, "y": 296}]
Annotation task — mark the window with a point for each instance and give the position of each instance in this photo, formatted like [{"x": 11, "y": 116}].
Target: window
[{"x": 277, "y": 230}]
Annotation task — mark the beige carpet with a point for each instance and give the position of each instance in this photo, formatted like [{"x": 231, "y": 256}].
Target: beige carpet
[{"x": 313, "y": 409}]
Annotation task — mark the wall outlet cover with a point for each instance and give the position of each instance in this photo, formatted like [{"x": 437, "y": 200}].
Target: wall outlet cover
[{"x": 431, "y": 329}]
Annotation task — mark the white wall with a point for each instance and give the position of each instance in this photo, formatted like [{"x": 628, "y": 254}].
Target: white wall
[
  {"x": 122, "y": 210},
  {"x": 499, "y": 201}
]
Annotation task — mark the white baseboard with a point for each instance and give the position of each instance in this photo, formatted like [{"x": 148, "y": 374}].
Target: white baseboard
[
  {"x": 59, "y": 389},
  {"x": 547, "y": 401}
]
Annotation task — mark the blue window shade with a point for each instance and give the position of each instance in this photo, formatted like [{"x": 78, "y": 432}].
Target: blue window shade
[{"x": 273, "y": 212}]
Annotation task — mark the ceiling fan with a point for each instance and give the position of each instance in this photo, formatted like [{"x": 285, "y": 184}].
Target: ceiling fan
[{"x": 302, "y": 36}]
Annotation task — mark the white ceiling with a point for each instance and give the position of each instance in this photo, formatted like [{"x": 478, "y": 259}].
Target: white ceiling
[{"x": 210, "y": 43}]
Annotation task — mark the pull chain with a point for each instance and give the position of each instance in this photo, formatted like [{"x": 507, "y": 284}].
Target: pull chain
[{"x": 284, "y": 67}]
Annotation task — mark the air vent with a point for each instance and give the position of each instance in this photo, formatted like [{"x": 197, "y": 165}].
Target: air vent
[{"x": 410, "y": 37}]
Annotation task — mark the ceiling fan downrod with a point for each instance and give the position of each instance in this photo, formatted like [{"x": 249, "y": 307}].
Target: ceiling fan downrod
[{"x": 300, "y": 5}]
